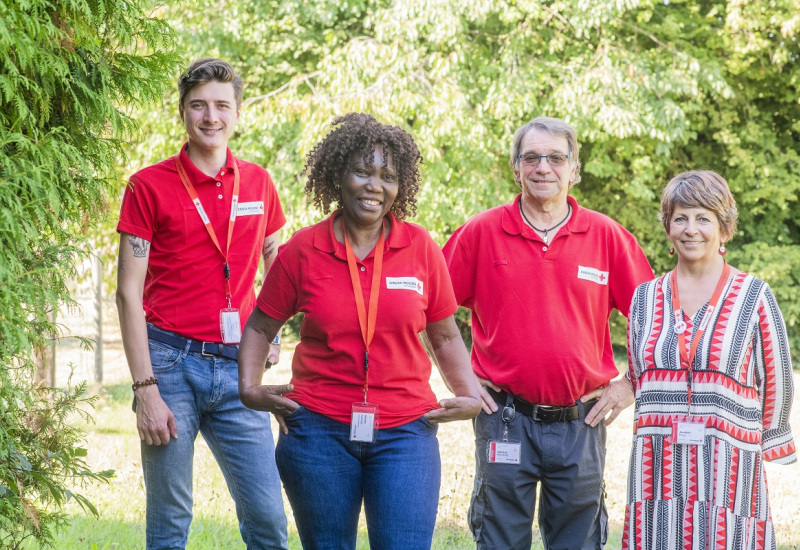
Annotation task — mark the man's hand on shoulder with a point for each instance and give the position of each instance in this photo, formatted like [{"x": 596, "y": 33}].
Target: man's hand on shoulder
[{"x": 612, "y": 400}]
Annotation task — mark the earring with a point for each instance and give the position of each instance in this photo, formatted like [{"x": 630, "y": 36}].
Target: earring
[
  {"x": 671, "y": 250},
  {"x": 722, "y": 249}
]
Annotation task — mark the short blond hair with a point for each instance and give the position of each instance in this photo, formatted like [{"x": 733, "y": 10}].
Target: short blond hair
[{"x": 700, "y": 189}]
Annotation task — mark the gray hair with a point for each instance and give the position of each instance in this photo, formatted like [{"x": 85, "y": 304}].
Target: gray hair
[{"x": 554, "y": 127}]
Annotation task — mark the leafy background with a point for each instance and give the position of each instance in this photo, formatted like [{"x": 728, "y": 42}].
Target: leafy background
[
  {"x": 653, "y": 88},
  {"x": 87, "y": 96}
]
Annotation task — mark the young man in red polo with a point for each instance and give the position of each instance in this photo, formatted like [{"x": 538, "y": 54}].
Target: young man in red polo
[{"x": 192, "y": 229}]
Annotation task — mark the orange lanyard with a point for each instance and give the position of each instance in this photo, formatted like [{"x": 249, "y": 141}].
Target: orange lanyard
[
  {"x": 203, "y": 216},
  {"x": 366, "y": 322},
  {"x": 688, "y": 358}
]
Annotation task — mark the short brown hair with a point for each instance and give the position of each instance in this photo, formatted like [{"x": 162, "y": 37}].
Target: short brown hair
[
  {"x": 700, "y": 189},
  {"x": 329, "y": 160},
  {"x": 209, "y": 69},
  {"x": 554, "y": 127}
]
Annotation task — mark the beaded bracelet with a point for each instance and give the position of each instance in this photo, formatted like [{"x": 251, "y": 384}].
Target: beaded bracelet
[{"x": 148, "y": 382}]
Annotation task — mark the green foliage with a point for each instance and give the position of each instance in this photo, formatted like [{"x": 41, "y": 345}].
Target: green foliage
[
  {"x": 653, "y": 87},
  {"x": 67, "y": 72}
]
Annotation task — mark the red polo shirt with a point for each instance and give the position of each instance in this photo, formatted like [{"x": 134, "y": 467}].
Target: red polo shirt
[
  {"x": 184, "y": 288},
  {"x": 540, "y": 312},
  {"x": 311, "y": 275}
]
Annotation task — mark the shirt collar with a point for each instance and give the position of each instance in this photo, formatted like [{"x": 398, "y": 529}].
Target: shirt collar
[
  {"x": 513, "y": 224},
  {"x": 325, "y": 238},
  {"x": 197, "y": 176}
]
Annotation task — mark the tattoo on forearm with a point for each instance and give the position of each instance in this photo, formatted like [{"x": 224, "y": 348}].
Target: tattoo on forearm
[
  {"x": 139, "y": 246},
  {"x": 268, "y": 250}
]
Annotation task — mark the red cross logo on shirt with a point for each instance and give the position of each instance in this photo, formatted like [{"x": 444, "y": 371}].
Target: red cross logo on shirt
[{"x": 602, "y": 277}]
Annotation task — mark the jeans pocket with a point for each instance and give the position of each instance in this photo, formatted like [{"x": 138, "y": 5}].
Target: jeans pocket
[
  {"x": 163, "y": 357},
  {"x": 424, "y": 419},
  {"x": 294, "y": 414}
]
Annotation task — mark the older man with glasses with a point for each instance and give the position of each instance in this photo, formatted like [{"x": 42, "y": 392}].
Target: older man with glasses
[{"x": 541, "y": 275}]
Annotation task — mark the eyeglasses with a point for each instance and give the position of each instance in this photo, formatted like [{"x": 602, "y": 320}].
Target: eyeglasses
[{"x": 555, "y": 159}]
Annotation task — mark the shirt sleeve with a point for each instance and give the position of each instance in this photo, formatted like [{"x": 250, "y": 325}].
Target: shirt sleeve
[
  {"x": 442, "y": 299},
  {"x": 631, "y": 269},
  {"x": 460, "y": 266},
  {"x": 273, "y": 209},
  {"x": 139, "y": 210},
  {"x": 278, "y": 296},
  {"x": 774, "y": 378}
]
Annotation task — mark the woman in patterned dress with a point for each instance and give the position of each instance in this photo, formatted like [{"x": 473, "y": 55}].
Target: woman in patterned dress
[{"x": 710, "y": 367}]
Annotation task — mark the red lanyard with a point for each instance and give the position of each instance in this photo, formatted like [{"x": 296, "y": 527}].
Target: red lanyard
[
  {"x": 688, "y": 358},
  {"x": 366, "y": 322},
  {"x": 203, "y": 216}
]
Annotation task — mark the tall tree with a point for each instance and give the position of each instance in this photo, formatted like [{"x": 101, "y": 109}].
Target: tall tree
[
  {"x": 654, "y": 87},
  {"x": 68, "y": 71}
]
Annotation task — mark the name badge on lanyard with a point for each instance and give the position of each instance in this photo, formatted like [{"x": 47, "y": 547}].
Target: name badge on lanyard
[
  {"x": 364, "y": 422},
  {"x": 687, "y": 429},
  {"x": 504, "y": 451},
  {"x": 364, "y": 416},
  {"x": 230, "y": 324}
]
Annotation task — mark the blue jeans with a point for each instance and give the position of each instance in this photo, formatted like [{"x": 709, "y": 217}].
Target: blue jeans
[
  {"x": 202, "y": 392},
  {"x": 326, "y": 476}
]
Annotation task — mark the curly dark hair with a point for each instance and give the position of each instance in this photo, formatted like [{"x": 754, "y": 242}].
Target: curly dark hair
[{"x": 329, "y": 160}]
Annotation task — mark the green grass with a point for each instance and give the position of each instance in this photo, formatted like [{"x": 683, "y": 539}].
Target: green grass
[{"x": 113, "y": 444}]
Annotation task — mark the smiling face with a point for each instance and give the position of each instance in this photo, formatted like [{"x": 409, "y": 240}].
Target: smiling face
[
  {"x": 696, "y": 234},
  {"x": 209, "y": 113},
  {"x": 543, "y": 183},
  {"x": 369, "y": 190}
]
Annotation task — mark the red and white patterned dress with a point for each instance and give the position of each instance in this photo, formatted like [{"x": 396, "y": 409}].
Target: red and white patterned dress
[{"x": 711, "y": 496}]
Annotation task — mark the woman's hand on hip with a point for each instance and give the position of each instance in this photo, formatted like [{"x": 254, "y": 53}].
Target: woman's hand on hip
[
  {"x": 455, "y": 408},
  {"x": 270, "y": 399}
]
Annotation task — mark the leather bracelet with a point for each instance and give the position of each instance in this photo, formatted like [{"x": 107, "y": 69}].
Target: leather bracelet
[{"x": 152, "y": 381}]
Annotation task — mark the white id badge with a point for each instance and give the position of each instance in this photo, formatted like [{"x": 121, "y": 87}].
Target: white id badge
[
  {"x": 504, "y": 452},
  {"x": 230, "y": 325},
  {"x": 688, "y": 431},
  {"x": 363, "y": 422}
]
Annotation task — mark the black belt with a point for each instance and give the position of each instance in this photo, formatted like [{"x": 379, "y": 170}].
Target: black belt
[
  {"x": 203, "y": 348},
  {"x": 539, "y": 413}
]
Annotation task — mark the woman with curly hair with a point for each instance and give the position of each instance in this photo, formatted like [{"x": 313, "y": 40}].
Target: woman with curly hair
[{"x": 358, "y": 420}]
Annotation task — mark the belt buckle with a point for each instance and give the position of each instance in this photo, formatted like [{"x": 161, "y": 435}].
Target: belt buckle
[{"x": 203, "y": 349}]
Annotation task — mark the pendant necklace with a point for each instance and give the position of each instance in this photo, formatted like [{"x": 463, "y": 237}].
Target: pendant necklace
[{"x": 544, "y": 231}]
